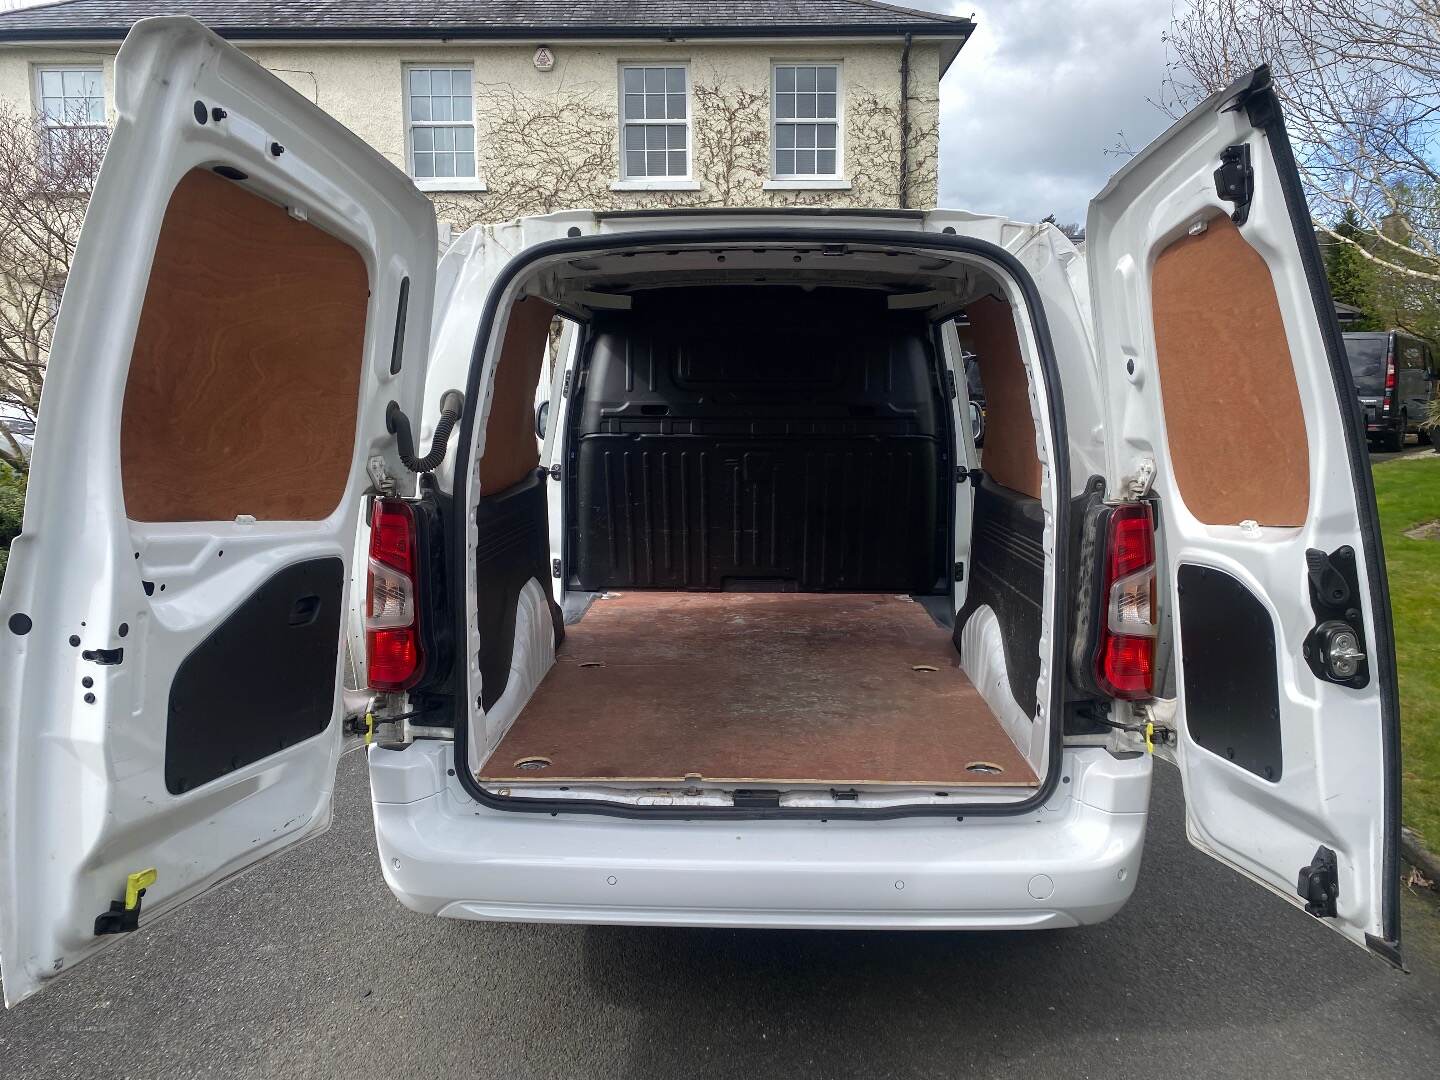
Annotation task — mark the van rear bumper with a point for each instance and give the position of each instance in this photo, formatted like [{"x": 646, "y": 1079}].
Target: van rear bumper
[{"x": 1072, "y": 862}]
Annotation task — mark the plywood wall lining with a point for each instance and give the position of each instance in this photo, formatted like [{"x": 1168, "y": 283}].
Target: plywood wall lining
[
  {"x": 244, "y": 378},
  {"x": 1009, "y": 454},
  {"x": 511, "y": 450},
  {"x": 1233, "y": 418}
]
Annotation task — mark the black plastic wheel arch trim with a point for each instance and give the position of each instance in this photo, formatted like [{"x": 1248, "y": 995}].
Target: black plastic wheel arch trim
[
  {"x": 1002, "y": 261},
  {"x": 1262, "y": 107}
]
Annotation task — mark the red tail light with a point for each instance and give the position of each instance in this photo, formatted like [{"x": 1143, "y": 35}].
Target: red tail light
[
  {"x": 1125, "y": 663},
  {"x": 1389, "y": 374},
  {"x": 393, "y": 657}
]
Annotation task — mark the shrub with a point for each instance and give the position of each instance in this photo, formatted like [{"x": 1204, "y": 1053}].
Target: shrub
[{"x": 12, "y": 505}]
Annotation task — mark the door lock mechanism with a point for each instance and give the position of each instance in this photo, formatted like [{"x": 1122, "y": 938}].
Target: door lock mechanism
[
  {"x": 1335, "y": 647},
  {"x": 1339, "y": 647}
]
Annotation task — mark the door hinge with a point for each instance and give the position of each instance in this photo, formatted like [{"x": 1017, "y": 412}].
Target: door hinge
[
  {"x": 974, "y": 476},
  {"x": 1319, "y": 884},
  {"x": 950, "y": 385},
  {"x": 1235, "y": 180},
  {"x": 383, "y": 482},
  {"x": 565, "y": 386},
  {"x": 124, "y": 915},
  {"x": 1138, "y": 483},
  {"x": 1157, "y": 727},
  {"x": 555, "y": 568},
  {"x": 555, "y": 472},
  {"x": 399, "y": 731}
]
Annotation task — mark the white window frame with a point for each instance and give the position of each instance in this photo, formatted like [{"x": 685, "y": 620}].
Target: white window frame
[
  {"x": 835, "y": 181},
  {"x": 438, "y": 183},
  {"x": 626, "y": 182},
  {"x": 37, "y": 88}
]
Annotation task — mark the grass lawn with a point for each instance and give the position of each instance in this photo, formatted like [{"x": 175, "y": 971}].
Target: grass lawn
[{"x": 1408, "y": 492}]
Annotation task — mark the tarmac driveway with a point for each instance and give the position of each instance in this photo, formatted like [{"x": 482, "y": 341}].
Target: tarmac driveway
[{"x": 310, "y": 968}]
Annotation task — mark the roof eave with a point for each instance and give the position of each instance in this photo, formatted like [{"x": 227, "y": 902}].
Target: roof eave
[
  {"x": 956, "y": 33},
  {"x": 950, "y": 49}
]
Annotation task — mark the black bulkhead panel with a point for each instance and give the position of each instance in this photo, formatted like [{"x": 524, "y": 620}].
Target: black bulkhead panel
[
  {"x": 1007, "y": 574},
  {"x": 263, "y": 680},
  {"x": 760, "y": 437},
  {"x": 513, "y": 547},
  {"x": 1232, "y": 675}
]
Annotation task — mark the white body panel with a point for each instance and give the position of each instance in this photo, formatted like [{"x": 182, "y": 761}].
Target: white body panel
[
  {"x": 551, "y": 452},
  {"x": 84, "y": 800},
  {"x": 1069, "y": 863},
  {"x": 83, "y": 797},
  {"x": 1333, "y": 790},
  {"x": 483, "y": 252},
  {"x": 1114, "y": 424},
  {"x": 967, "y": 456}
]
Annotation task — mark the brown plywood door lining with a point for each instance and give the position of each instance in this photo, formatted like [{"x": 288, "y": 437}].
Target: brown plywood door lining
[
  {"x": 511, "y": 450},
  {"x": 1009, "y": 454},
  {"x": 244, "y": 378},
  {"x": 1233, "y": 419}
]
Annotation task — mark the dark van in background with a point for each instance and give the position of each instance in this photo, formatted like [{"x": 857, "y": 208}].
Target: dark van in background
[{"x": 1395, "y": 378}]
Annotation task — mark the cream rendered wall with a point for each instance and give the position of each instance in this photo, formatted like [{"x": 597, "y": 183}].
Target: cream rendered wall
[
  {"x": 550, "y": 140},
  {"x": 17, "y": 72}
]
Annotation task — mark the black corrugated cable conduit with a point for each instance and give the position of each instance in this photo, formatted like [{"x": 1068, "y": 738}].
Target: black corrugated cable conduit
[{"x": 452, "y": 404}]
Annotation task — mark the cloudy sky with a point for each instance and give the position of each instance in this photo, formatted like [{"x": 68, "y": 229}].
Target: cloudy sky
[{"x": 1037, "y": 97}]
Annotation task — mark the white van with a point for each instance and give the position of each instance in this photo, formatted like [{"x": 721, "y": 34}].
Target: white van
[{"x": 756, "y": 638}]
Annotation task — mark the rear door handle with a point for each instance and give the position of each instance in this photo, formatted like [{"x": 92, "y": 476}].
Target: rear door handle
[{"x": 304, "y": 611}]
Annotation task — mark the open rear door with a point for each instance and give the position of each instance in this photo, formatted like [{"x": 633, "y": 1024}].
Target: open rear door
[
  {"x": 170, "y": 627},
  {"x": 1224, "y": 369}
]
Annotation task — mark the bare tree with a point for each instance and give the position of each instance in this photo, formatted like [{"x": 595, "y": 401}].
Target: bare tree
[
  {"x": 46, "y": 176},
  {"x": 1360, "y": 84}
]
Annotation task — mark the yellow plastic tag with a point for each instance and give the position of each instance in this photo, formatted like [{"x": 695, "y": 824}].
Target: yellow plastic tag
[
  {"x": 1149, "y": 736},
  {"x": 137, "y": 883},
  {"x": 369, "y": 728}
]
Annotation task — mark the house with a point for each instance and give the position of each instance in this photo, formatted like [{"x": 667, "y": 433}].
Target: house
[{"x": 504, "y": 107}]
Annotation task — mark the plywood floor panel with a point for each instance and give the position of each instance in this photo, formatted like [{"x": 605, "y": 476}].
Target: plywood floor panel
[{"x": 758, "y": 688}]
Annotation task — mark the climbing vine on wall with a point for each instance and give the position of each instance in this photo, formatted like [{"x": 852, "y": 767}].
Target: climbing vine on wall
[
  {"x": 542, "y": 154},
  {"x": 732, "y": 145},
  {"x": 536, "y": 155},
  {"x": 873, "y": 150}
]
